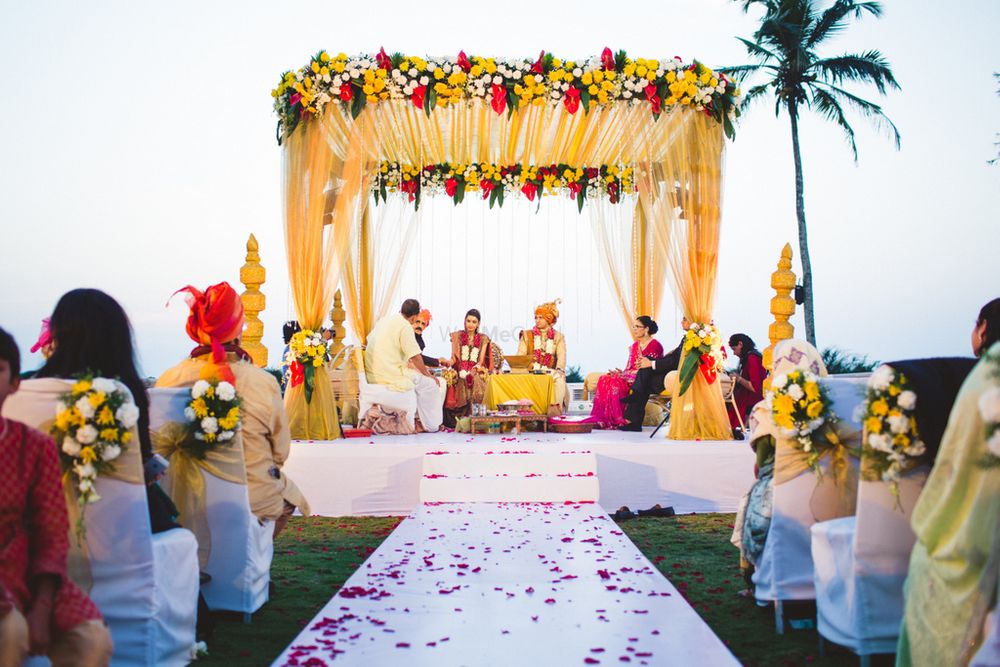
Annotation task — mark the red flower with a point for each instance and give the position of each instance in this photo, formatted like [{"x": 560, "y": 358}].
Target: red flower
[
  {"x": 653, "y": 98},
  {"x": 294, "y": 99},
  {"x": 418, "y": 96},
  {"x": 707, "y": 367},
  {"x": 298, "y": 373},
  {"x": 529, "y": 189},
  {"x": 499, "y": 100},
  {"x": 574, "y": 190},
  {"x": 346, "y": 92},
  {"x": 572, "y": 100},
  {"x": 451, "y": 186},
  {"x": 410, "y": 188},
  {"x": 486, "y": 186},
  {"x": 537, "y": 67},
  {"x": 463, "y": 61},
  {"x": 607, "y": 59},
  {"x": 613, "y": 192},
  {"x": 383, "y": 61}
]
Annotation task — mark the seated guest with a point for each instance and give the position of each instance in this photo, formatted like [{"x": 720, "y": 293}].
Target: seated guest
[
  {"x": 215, "y": 324},
  {"x": 547, "y": 349},
  {"x": 649, "y": 379},
  {"x": 42, "y": 612},
  {"x": 953, "y": 567},
  {"x": 92, "y": 334},
  {"x": 750, "y": 531},
  {"x": 470, "y": 357},
  {"x": 419, "y": 326},
  {"x": 393, "y": 359},
  {"x": 749, "y": 378},
  {"x": 613, "y": 387}
]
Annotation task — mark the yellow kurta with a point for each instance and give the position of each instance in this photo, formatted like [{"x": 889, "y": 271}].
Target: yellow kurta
[
  {"x": 391, "y": 345},
  {"x": 950, "y": 584},
  {"x": 264, "y": 432},
  {"x": 526, "y": 347}
]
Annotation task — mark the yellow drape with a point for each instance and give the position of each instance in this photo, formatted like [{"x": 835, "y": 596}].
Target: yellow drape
[{"x": 539, "y": 389}]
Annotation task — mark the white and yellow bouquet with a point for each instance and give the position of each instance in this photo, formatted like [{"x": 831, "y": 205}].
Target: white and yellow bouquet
[
  {"x": 891, "y": 444},
  {"x": 989, "y": 411},
  {"x": 801, "y": 408},
  {"x": 93, "y": 425},
  {"x": 704, "y": 352},
  {"x": 213, "y": 415},
  {"x": 311, "y": 352}
]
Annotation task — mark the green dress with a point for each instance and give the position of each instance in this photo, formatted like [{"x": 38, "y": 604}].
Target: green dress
[{"x": 952, "y": 580}]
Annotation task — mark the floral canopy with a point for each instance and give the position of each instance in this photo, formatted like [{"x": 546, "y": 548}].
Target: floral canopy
[{"x": 604, "y": 130}]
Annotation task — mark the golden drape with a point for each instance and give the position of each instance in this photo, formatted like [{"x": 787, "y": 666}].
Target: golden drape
[{"x": 677, "y": 157}]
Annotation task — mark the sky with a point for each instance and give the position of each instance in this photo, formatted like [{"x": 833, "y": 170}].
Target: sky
[{"x": 140, "y": 154}]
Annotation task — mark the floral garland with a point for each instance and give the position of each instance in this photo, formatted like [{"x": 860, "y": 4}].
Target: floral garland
[
  {"x": 890, "y": 444},
  {"x": 213, "y": 414},
  {"x": 310, "y": 352},
  {"x": 504, "y": 84},
  {"x": 92, "y": 428},
  {"x": 469, "y": 355},
  {"x": 495, "y": 182},
  {"x": 800, "y": 407},
  {"x": 704, "y": 352},
  {"x": 989, "y": 411},
  {"x": 543, "y": 353}
]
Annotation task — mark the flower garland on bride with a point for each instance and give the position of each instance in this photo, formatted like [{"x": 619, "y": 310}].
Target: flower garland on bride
[{"x": 470, "y": 351}]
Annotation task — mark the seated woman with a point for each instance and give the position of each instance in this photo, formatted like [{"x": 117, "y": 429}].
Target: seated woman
[
  {"x": 749, "y": 378},
  {"x": 42, "y": 612},
  {"x": 547, "y": 348},
  {"x": 91, "y": 334},
  {"x": 613, "y": 387},
  {"x": 754, "y": 519},
  {"x": 470, "y": 359},
  {"x": 953, "y": 567}
]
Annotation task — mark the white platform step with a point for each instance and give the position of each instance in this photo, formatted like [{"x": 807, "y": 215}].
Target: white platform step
[{"x": 512, "y": 462}]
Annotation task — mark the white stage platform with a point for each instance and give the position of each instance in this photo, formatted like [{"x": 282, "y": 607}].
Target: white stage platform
[
  {"x": 382, "y": 476},
  {"x": 485, "y": 584}
]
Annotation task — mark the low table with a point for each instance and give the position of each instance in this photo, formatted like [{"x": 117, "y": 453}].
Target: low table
[{"x": 515, "y": 419}]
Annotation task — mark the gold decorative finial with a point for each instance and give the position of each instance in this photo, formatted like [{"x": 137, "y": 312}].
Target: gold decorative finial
[
  {"x": 782, "y": 307},
  {"x": 337, "y": 315},
  {"x": 252, "y": 275}
]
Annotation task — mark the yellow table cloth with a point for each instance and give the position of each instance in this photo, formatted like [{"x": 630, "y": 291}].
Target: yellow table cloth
[{"x": 539, "y": 389}]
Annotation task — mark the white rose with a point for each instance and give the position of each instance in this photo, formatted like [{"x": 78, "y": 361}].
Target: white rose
[
  {"x": 917, "y": 448},
  {"x": 226, "y": 435},
  {"x": 993, "y": 444},
  {"x": 86, "y": 435},
  {"x": 880, "y": 442},
  {"x": 795, "y": 391},
  {"x": 578, "y": 72},
  {"x": 424, "y": 80},
  {"x": 907, "y": 400},
  {"x": 463, "y": 374},
  {"x": 86, "y": 485},
  {"x": 498, "y": 80},
  {"x": 210, "y": 425},
  {"x": 225, "y": 391},
  {"x": 989, "y": 405},
  {"x": 127, "y": 414},
  {"x": 199, "y": 389},
  {"x": 189, "y": 414},
  {"x": 199, "y": 435},
  {"x": 85, "y": 408},
  {"x": 86, "y": 471},
  {"x": 898, "y": 424},
  {"x": 111, "y": 452},
  {"x": 104, "y": 385},
  {"x": 779, "y": 381},
  {"x": 71, "y": 446},
  {"x": 881, "y": 378}
]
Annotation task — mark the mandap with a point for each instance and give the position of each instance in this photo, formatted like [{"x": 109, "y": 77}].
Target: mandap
[{"x": 609, "y": 132}]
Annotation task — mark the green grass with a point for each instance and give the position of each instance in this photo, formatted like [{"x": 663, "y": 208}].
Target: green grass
[{"x": 315, "y": 556}]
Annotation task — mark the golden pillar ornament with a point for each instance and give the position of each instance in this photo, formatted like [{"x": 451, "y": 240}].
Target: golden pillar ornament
[
  {"x": 782, "y": 307},
  {"x": 252, "y": 275},
  {"x": 337, "y": 315}
]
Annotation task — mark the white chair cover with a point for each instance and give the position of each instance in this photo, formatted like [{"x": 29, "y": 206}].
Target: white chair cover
[
  {"x": 378, "y": 394},
  {"x": 785, "y": 567},
  {"x": 242, "y": 546},
  {"x": 988, "y": 654},
  {"x": 145, "y": 585},
  {"x": 860, "y": 565}
]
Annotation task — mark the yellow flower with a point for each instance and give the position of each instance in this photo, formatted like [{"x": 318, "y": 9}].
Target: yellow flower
[
  {"x": 109, "y": 435},
  {"x": 880, "y": 408},
  {"x": 815, "y": 409},
  {"x": 640, "y": 71},
  {"x": 592, "y": 89},
  {"x": 126, "y": 437},
  {"x": 88, "y": 455},
  {"x": 438, "y": 73},
  {"x": 96, "y": 399},
  {"x": 477, "y": 70},
  {"x": 598, "y": 76},
  {"x": 81, "y": 386},
  {"x": 671, "y": 77},
  {"x": 901, "y": 439},
  {"x": 587, "y": 78},
  {"x": 783, "y": 404},
  {"x": 199, "y": 407},
  {"x": 873, "y": 425},
  {"x": 784, "y": 421},
  {"x": 317, "y": 362},
  {"x": 894, "y": 390},
  {"x": 324, "y": 57},
  {"x": 105, "y": 417},
  {"x": 812, "y": 391}
]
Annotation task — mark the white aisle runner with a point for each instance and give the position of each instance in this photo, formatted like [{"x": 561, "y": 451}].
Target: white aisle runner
[{"x": 507, "y": 584}]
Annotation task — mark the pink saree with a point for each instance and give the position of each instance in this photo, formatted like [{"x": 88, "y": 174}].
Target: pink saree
[{"x": 613, "y": 387}]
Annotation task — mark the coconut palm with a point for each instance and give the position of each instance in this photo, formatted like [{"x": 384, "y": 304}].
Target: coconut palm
[{"x": 785, "y": 50}]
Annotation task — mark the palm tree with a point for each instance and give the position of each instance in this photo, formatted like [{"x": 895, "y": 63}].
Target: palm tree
[{"x": 784, "y": 47}]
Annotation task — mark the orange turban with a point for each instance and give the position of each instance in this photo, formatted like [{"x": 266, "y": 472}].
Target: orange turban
[
  {"x": 216, "y": 316},
  {"x": 549, "y": 311},
  {"x": 425, "y": 315}
]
